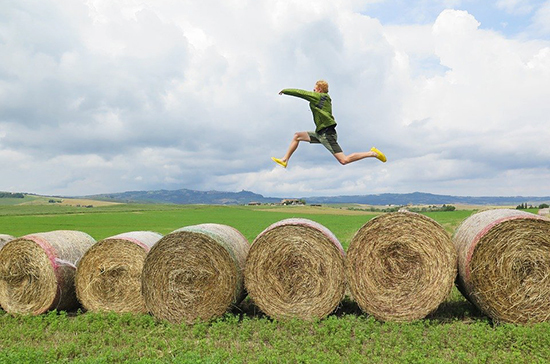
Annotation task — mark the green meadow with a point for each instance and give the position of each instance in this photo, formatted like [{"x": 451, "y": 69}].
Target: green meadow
[{"x": 456, "y": 333}]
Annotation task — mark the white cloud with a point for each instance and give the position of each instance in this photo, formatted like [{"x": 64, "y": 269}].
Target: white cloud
[
  {"x": 101, "y": 96},
  {"x": 516, "y": 6},
  {"x": 541, "y": 25},
  {"x": 492, "y": 88}
]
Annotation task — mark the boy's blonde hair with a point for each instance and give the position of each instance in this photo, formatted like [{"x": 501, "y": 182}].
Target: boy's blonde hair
[{"x": 323, "y": 85}]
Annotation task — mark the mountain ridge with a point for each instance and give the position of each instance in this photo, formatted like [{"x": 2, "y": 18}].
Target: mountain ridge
[{"x": 187, "y": 196}]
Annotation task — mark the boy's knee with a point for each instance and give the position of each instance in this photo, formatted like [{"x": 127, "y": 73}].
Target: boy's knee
[
  {"x": 342, "y": 159},
  {"x": 299, "y": 136}
]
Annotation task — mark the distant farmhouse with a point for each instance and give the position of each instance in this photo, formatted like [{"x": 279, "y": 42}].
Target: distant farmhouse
[
  {"x": 292, "y": 201},
  {"x": 285, "y": 202}
]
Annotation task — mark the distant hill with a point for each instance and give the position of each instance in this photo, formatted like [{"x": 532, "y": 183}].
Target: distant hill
[
  {"x": 186, "y": 196},
  {"x": 420, "y": 198}
]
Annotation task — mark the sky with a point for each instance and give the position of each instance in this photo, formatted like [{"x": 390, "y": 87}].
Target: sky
[{"x": 103, "y": 96}]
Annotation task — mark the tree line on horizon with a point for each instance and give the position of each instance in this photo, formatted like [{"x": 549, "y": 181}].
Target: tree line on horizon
[
  {"x": 524, "y": 206},
  {"x": 11, "y": 195}
]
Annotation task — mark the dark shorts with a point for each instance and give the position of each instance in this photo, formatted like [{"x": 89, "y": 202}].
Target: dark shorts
[{"x": 328, "y": 137}]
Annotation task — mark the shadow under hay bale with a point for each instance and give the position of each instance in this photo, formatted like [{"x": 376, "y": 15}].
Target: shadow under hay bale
[
  {"x": 4, "y": 239},
  {"x": 195, "y": 273},
  {"x": 108, "y": 277},
  {"x": 504, "y": 264},
  {"x": 37, "y": 271},
  {"x": 295, "y": 269},
  {"x": 401, "y": 266}
]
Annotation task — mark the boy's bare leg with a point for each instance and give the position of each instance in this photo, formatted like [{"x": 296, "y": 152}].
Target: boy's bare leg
[
  {"x": 353, "y": 157},
  {"x": 345, "y": 159},
  {"x": 301, "y": 136}
]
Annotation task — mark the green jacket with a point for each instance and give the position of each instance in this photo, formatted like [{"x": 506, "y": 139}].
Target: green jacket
[{"x": 320, "y": 105}]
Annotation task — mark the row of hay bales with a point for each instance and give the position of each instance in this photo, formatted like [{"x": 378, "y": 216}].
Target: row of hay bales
[{"x": 399, "y": 267}]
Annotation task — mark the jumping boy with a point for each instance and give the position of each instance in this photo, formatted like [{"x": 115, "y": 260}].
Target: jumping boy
[{"x": 325, "y": 131}]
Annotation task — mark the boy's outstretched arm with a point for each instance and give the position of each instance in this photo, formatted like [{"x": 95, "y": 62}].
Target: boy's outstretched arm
[{"x": 303, "y": 94}]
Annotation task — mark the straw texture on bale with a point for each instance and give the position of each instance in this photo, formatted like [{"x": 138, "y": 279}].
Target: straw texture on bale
[
  {"x": 504, "y": 264},
  {"x": 108, "y": 277},
  {"x": 401, "y": 266},
  {"x": 295, "y": 269},
  {"x": 195, "y": 273},
  {"x": 4, "y": 238},
  {"x": 37, "y": 271}
]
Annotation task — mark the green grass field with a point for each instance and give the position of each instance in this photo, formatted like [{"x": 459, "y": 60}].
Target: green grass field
[{"x": 456, "y": 333}]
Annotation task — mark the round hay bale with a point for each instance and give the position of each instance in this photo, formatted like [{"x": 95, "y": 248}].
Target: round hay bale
[
  {"x": 37, "y": 271},
  {"x": 401, "y": 266},
  {"x": 108, "y": 277},
  {"x": 4, "y": 238},
  {"x": 295, "y": 269},
  {"x": 195, "y": 273},
  {"x": 504, "y": 264}
]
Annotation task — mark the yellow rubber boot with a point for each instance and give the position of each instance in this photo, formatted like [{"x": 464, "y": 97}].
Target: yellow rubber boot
[
  {"x": 380, "y": 155},
  {"x": 279, "y": 162}
]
